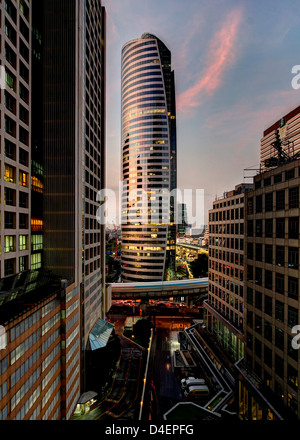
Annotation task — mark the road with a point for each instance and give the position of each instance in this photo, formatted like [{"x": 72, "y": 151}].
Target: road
[
  {"x": 123, "y": 399},
  {"x": 163, "y": 387}
]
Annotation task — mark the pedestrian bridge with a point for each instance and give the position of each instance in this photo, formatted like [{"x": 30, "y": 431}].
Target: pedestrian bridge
[{"x": 165, "y": 289}]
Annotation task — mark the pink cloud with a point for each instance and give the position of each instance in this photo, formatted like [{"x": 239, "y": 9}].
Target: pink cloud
[{"x": 221, "y": 54}]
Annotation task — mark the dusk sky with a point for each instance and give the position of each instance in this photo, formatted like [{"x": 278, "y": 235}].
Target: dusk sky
[{"x": 232, "y": 63}]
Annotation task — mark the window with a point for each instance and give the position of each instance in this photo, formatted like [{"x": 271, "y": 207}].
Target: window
[
  {"x": 10, "y": 80},
  {"x": 24, "y": 94},
  {"x": 268, "y": 279},
  {"x": 10, "y": 150},
  {"x": 259, "y": 203},
  {"x": 23, "y": 180},
  {"x": 292, "y": 317},
  {"x": 258, "y": 300},
  {"x": 279, "y": 283},
  {"x": 250, "y": 228},
  {"x": 269, "y": 254},
  {"x": 293, "y": 377},
  {"x": 10, "y": 102},
  {"x": 10, "y": 32},
  {"x": 268, "y": 330},
  {"x": 250, "y": 251},
  {"x": 258, "y": 324},
  {"x": 294, "y": 197},
  {"x": 258, "y": 228},
  {"x": 280, "y": 227},
  {"x": 23, "y": 264},
  {"x": 24, "y": 72},
  {"x": 268, "y": 305},
  {"x": 10, "y": 220},
  {"x": 258, "y": 252},
  {"x": 268, "y": 355},
  {"x": 278, "y": 178},
  {"x": 257, "y": 349},
  {"x": 269, "y": 228},
  {"x": 269, "y": 202},
  {"x": 23, "y": 242},
  {"x": 23, "y": 157},
  {"x": 23, "y": 200},
  {"x": 10, "y": 55},
  {"x": 293, "y": 257},
  {"x": 293, "y": 223},
  {"x": 36, "y": 243},
  {"x": 279, "y": 256},
  {"x": 10, "y": 126},
  {"x": 293, "y": 288},
  {"x": 267, "y": 181},
  {"x": 250, "y": 206},
  {"x": 10, "y": 244},
  {"x": 280, "y": 200},
  {"x": 11, "y": 10},
  {"x": 36, "y": 261},
  {"x": 10, "y": 197},
  {"x": 279, "y": 367},
  {"x": 290, "y": 174},
  {"x": 9, "y": 267},
  {"x": 279, "y": 311},
  {"x": 23, "y": 221},
  {"x": 23, "y": 135},
  {"x": 250, "y": 296},
  {"x": 279, "y": 338}
]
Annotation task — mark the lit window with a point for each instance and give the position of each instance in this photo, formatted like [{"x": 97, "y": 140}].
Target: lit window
[
  {"x": 23, "y": 180},
  {"x": 23, "y": 242},
  {"x": 9, "y": 174},
  {"x": 9, "y": 244},
  {"x": 36, "y": 261}
]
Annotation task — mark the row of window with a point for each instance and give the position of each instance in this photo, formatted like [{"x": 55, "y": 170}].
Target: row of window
[
  {"x": 270, "y": 228},
  {"x": 284, "y": 256},
  {"x": 274, "y": 201},
  {"x": 10, "y": 265},
  {"x": 277, "y": 178},
  {"x": 276, "y": 282},
  {"x": 274, "y": 361},
  {"x": 228, "y": 313},
  {"x": 228, "y": 214},
  {"x": 229, "y": 229},
  {"x": 230, "y": 243}
]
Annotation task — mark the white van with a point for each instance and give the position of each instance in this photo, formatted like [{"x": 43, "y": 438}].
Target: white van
[
  {"x": 185, "y": 383},
  {"x": 196, "y": 391}
]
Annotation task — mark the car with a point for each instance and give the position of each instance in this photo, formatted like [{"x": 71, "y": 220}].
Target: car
[
  {"x": 197, "y": 391},
  {"x": 191, "y": 382}
]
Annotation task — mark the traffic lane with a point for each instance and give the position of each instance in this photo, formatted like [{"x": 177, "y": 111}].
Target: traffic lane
[{"x": 168, "y": 390}]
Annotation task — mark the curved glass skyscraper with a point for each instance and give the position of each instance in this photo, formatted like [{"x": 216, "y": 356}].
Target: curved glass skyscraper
[{"x": 148, "y": 161}]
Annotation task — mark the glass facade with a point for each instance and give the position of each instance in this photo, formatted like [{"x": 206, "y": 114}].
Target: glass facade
[{"x": 148, "y": 161}]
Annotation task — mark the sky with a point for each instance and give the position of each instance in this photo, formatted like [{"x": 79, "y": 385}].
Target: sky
[{"x": 233, "y": 63}]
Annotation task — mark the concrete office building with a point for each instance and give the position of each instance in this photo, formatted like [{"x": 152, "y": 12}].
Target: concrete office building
[
  {"x": 66, "y": 157},
  {"x": 272, "y": 285},
  {"x": 224, "y": 308},
  {"x": 149, "y": 161},
  {"x": 15, "y": 137}
]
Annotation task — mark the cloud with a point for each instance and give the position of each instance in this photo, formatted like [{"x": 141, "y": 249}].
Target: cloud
[{"x": 221, "y": 54}]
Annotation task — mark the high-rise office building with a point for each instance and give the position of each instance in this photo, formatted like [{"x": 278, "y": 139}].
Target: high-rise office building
[
  {"x": 149, "y": 161},
  {"x": 224, "y": 308},
  {"x": 54, "y": 164},
  {"x": 272, "y": 290},
  {"x": 15, "y": 153}
]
